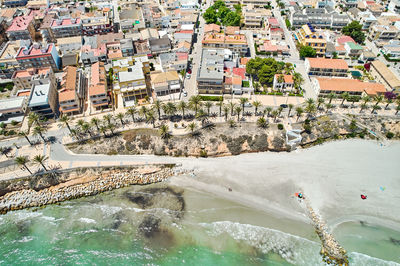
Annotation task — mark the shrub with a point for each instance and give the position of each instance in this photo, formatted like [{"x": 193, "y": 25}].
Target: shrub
[
  {"x": 203, "y": 153},
  {"x": 307, "y": 128},
  {"x": 12, "y": 132},
  {"x": 14, "y": 123},
  {"x": 245, "y": 83},
  {"x": 280, "y": 126},
  {"x": 211, "y": 98},
  {"x": 389, "y": 135}
]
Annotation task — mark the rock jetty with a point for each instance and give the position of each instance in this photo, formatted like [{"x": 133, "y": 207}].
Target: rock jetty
[
  {"x": 331, "y": 250},
  {"x": 88, "y": 184}
]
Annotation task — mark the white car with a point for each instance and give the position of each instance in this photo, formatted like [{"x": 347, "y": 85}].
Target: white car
[
  {"x": 188, "y": 76},
  {"x": 184, "y": 94}
]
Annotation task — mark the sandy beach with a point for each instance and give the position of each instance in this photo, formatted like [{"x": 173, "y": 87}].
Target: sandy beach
[{"x": 332, "y": 176}]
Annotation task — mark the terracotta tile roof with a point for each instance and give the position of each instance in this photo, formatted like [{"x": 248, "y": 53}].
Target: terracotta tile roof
[
  {"x": 287, "y": 78},
  {"x": 239, "y": 71},
  {"x": 232, "y": 30},
  {"x": 236, "y": 80},
  {"x": 211, "y": 28},
  {"x": 228, "y": 80},
  {"x": 70, "y": 78},
  {"x": 350, "y": 85},
  {"x": 343, "y": 39},
  {"x": 244, "y": 60},
  {"x": 66, "y": 95},
  {"x": 97, "y": 84},
  {"x": 328, "y": 63}
]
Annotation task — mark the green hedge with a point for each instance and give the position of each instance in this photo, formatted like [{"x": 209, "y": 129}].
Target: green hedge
[
  {"x": 211, "y": 98},
  {"x": 389, "y": 59},
  {"x": 245, "y": 83}
]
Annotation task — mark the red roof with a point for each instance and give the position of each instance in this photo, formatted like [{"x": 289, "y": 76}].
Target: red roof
[
  {"x": 239, "y": 71},
  {"x": 343, "y": 39}
]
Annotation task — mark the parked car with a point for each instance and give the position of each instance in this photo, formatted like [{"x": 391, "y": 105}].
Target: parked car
[
  {"x": 248, "y": 105},
  {"x": 184, "y": 94},
  {"x": 284, "y": 105}
]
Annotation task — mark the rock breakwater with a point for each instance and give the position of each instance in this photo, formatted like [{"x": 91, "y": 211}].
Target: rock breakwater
[{"x": 90, "y": 183}]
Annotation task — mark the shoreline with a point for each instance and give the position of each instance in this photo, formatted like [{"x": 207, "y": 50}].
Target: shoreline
[{"x": 89, "y": 182}]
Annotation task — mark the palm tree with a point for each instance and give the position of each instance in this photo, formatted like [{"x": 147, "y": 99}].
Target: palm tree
[
  {"x": 262, "y": 122},
  {"x": 143, "y": 111},
  {"x": 397, "y": 108},
  {"x": 170, "y": 109},
  {"x": 192, "y": 127},
  {"x": 74, "y": 133},
  {"x": 182, "y": 106},
  {"x": 39, "y": 130},
  {"x": 388, "y": 101},
  {"x": 151, "y": 117},
  {"x": 378, "y": 99},
  {"x": 238, "y": 109},
  {"x": 5, "y": 151},
  {"x": 328, "y": 106},
  {"x": 375, "y": 107},
  {"x": 111, "y": 127},
  {"x": 243, "y": 101},
  {"x": 366, "y": 99},
  {"x": 226, "y": 111},
  {"x": 290, "y": 108},
  {"x": 107, "y": 118},
  {"x": 363, "y": 106},
  {"x": 32, "y": 118},
  {"x": 275, "y": 114},
  {"x": 95, "y": 122},
  {"x": 132, "y": 111},
  {"x": 195, "y": 103},
  {"x": 331, "y": 96},
  {"x": 310, "y": 101},
  {"x": 220, "y": 104},
  {"x": 208, "y": 105},
  {"x": 232, "y": 123},
  {"x": 40, "y": 159},
  {"x": 345, "y": 96},
  {"x": 164, "y": 132},
  {"x": 256, "y": 86},
  {"x": 121, "y": 116},
  {"x": 103, "y": 129},
  {"x": 297, "y": 80},
  {"x": 87, "y": 129},
  {"x": 158, "y": 105},
  {"x": 268, "y": 110},
  {"x": 310, "y": 109},
  {"x": 232, "y": 107},
  {"x": 280, "y": 109},
  {"x": 80, "y": 123},
  {"x": 25, "y": 135},
  {"x": 320, "y": 101},
  {"x": 65, "y": 120},
  {"x": 23, "y": 160},
  {"x": 299, "y": 112},
  {"x": 256, "y": 105}
]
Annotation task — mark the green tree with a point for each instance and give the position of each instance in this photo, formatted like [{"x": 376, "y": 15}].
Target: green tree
[
  {"x": 107, "y": 118},
  {"x": 182, "y": 107},
  {"x": 354, "y": 30},
  {"x": 320, "y": 101},
  {"x": 238, "y": 109},
  {"x": 210, "y": 16},
  {"x": 378, "y": 99},
  {"x": 220, "y": 104},
  {"x": 331, "y": 96},
  {"x": 299, "y": 112},
  {"x": 23, "y": 161},
  {"x": 345, "y": 96},
  {"x": 195, "y": 103},
  {"x": 132, "y": 111},
  {"x": 231, "y": 19},
  {"x": 25, "y": 135},
  {"x": 363, "y": 106},
  {"x": 158, "y": 105},
  {"x": 192, "y": 127},
  {"x": 40, "y": 159},
  {"x": 226, "y": 112},
  {"x": 5, "y": 151},
  {"x": 208, "y": 105},
  {"x": 164, "y": 132},
  {"x": 170, "y": 109},
  {"x": 307, "y": 51},
  {"x": 86, "y": 127},
  {"x": 151, "y": 118},
  {"x": 262, "y": 122},
  {"x": 39, "y": 130},
  {"x": 268, "y": 110},
  {"x": 366, "y": 99},
  {"x": 290, "y": 108},
  {"x": 256, "y": 104},
  {"x": 274, "y": 114},
  {"x": 121, "y": 116},
  {"x": 95, "y": 122},
  {"x": 64, "y": 119},
  {"x": 243, "y": 101}
]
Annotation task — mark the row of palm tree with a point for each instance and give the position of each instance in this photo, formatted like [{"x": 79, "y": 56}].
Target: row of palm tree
[{"x": 37, "y": 159}]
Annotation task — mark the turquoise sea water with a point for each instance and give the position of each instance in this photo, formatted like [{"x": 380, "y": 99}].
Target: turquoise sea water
[{"x": 160, "y": 226}]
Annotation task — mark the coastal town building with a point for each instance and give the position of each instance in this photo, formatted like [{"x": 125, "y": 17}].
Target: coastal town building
[
  {"x": 43, "y": 100},
  {"x": 39, "y": 55},
  {"x": 66, "y": 27},
  {"x": 326, "y": 67},
  {"x": 165, "y": 83},
  {"x": 72, "y": 91},
  {"x": 236, "y": 42},
  {"x": 129, "y": 80},
  {"x": 24, "y": 79},
  {"x": 319, "y": 18},
  {"x": 21, "y": 28},
  {"x": 325, "y": 86},
  {"x": 210, "y": 76},
  {"x": 98, "y": 94},
  {"x": 8, "y": 52},
  {"x": 283, "y": 83},
  {"x": 13, "y": 109},
  {"x": 308, "y": 36},
  {"x": 383, "y": 74}
]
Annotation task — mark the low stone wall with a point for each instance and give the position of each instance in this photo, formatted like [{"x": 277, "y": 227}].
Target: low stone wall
[{"x": 87, "y": 183}]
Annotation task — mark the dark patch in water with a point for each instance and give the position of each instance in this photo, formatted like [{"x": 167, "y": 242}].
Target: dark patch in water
[
  {"x": 363, "y": 223},
  {"x": 395, "y": 241},
  {"x": 150, "y": 226},
  {"x": 119, "y": 217}
]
